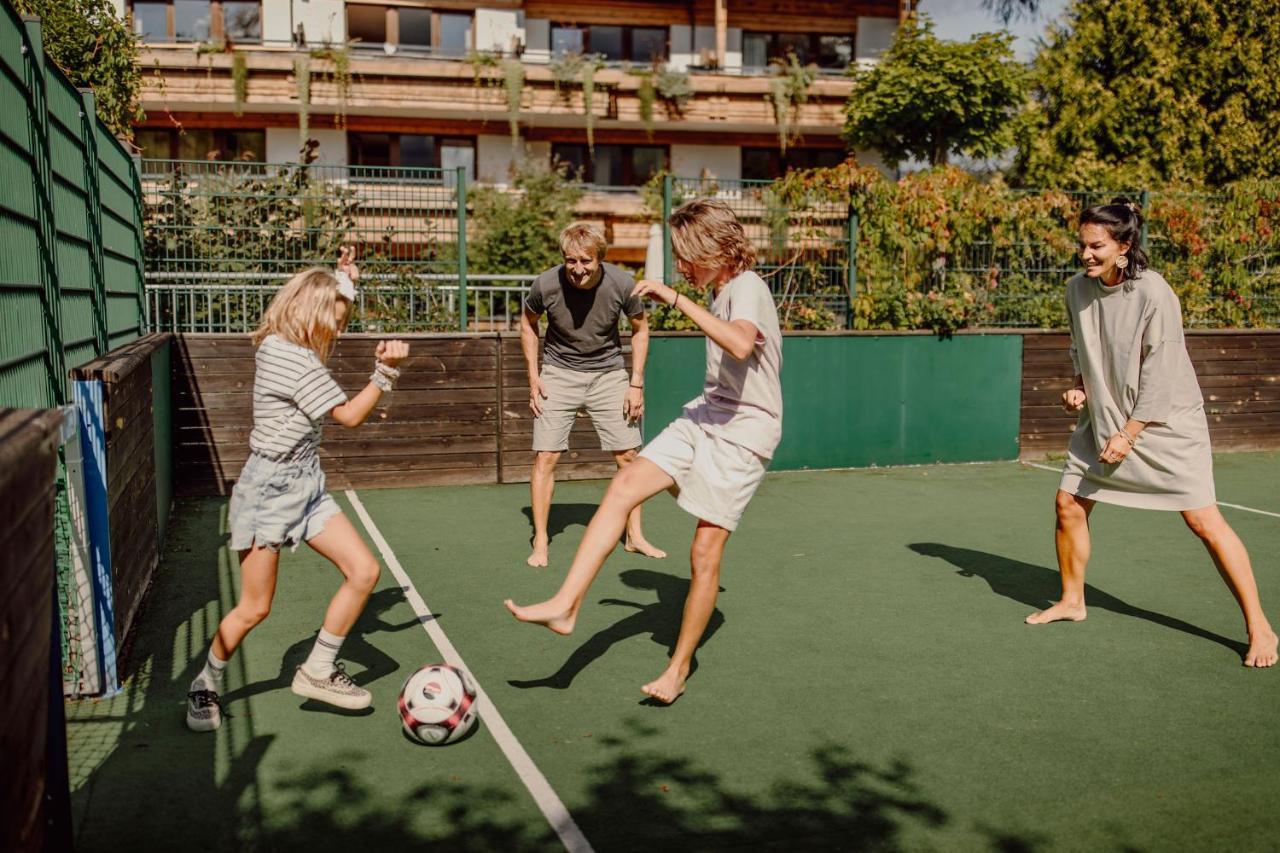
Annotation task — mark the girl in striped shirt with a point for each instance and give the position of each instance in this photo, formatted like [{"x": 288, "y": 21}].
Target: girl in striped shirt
[{"x": 280, "y": 497}]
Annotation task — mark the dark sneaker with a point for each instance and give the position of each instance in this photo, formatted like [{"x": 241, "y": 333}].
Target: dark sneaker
[
  {"x": 336, "y": 688},
  {"x": 204, "y": 710}
]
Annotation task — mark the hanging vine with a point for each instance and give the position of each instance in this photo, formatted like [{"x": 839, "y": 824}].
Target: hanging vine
[
  {"x": 513, "y": 83},
  {"x": 339, "y": 74},
  {"x": 674, "y": 87},
  {"x": 589, "y": 69},
  {"x": 788, "y": 89},
  {"x": 240, "y": 81},
  {"x": 646, "y": 94},
  {"x": 302, "y": 79}
]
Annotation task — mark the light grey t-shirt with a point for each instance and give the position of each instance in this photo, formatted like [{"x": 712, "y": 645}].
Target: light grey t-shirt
[
  {"x": 582, "y": 325},
  {"x": 292, "y": 392},
  {"x": 741, "y": 401}
]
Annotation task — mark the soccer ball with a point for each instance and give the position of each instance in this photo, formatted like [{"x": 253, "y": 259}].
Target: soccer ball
[{"x": 438, "y": 704}]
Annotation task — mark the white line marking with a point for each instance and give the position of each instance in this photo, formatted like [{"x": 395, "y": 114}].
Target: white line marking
[
  {"x": 548, "y": 802},
  {"x": 1220, "y": 503}
]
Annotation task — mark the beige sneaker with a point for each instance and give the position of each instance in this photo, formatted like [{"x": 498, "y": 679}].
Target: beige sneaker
[
  {"x": 335, "y": 689},
  {"x": 204, "y": 710}
]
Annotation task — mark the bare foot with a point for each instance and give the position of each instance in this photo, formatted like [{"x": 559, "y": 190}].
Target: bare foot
[
  {"x": 636, "y": 545},
  {"x": 666, "y": 688},
  {"x": 539, "y": 555},
  {"x": 547, "y": 613},
  {"x": 1262, "y": 649},
  {"x": 1060, "y": 612}
]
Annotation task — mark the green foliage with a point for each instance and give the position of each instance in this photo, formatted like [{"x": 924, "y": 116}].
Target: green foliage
[
  {"x": 518, "y": 232},
  {"x": 788, "y": 89},
  {"x": 240, "y": 81},
  {"x": 570, "y": 69},
  {"x": 513, "y": 85},
  {"x": 338, "y": 60},
  {"x": 1142, "y": 92},
  {"x": 674, "y": 87},
  {"x": 928, "y": 98},
  {"x": 646, "y": 94},
  {"x": 302, "y": 80},
  {"x": 95, "y": 49}
]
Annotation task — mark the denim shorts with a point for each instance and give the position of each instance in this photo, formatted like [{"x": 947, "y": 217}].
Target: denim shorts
[{"x": 278, "y": 503}]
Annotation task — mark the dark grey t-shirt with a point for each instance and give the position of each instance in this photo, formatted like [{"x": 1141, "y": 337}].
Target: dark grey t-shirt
[{"x": 582, "y": 325}]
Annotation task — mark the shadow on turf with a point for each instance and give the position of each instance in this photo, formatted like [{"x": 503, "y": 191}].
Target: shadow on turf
[
  {"x": 659, "y": 619},
  {"x": 150, "y": 784},
  {"x": 562, "y": 516},
  {"x": 1038, "y": 587},
  {"x": 371, "y": 662}
]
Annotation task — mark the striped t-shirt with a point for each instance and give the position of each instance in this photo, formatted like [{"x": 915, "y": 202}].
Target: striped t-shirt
[{"x": 292, "y": 392}]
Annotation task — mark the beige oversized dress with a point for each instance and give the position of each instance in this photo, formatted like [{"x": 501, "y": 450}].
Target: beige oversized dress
[{"x": 1127, "y": 343}]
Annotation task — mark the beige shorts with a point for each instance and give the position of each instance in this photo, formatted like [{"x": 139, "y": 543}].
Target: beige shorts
[
  {"x": 716, "y": 478},
  {"x": 601, "y": 393}
]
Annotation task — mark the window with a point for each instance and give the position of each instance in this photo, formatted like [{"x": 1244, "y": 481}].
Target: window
[
  {"x": 415, "y": 27},
  {"x": 766, "y": 164},
  {"x": 409, "y": 28},
  {"x": 191, "y": 19},
  {"x": 242, "y": 21},
  {"x": 413, "y": 149},
  {"x": 455, "y": 35},
  {"x": 367, "y": 24},
  {"x": 202, "y": 144},
  {"x": 614, "y": 43},
  {"x": 197, "y": 20},
  {"x": 827, "y": 51},
  {"x": 613, "y": 165}
]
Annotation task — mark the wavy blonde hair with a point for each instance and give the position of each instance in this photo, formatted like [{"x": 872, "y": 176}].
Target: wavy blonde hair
[
  {"x": 303, "y": 312},
  {"x": 707, "y": 233}
]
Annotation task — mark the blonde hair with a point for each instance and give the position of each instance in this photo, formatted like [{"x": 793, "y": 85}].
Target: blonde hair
[
  {"x": 580, "y": 235},
  {"x": 707, "y": 233},
  {"x": 302, "y": 312}
]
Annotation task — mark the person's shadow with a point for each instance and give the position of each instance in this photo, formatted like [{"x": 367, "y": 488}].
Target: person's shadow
[
  {"x": 561, "y": 517},
  {"x": 373, "y": 662},
  {"x": 661, "y": 619},
  {"x": 1039, "y": 587}
]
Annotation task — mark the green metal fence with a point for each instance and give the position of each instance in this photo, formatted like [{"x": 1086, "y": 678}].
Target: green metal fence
[
  {"x": 71, "y": 269},
  {"x": 935, "y": 252},
  {"x": 71, "y": 265},
  {"x": 221, "y": 237}
]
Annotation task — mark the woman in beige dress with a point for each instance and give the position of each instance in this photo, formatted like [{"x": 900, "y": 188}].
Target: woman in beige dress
[{"x": 1142, "y": 439}]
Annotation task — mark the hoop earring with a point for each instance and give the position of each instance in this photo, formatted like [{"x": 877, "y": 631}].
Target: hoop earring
[{"x": 1122, "y": 262}]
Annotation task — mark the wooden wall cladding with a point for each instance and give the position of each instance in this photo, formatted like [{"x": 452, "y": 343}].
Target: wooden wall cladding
[
  {"x": 584, "y": 459},
  {"x": 439, "y": 426},
  {"x": 1239, "y": 374},
  {"x": 459, "y": 414},
  {"x": 28, "y": 466},
  {"x": 129, "y": 426}
]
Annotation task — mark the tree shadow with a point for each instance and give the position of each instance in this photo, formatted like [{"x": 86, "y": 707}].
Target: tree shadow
[
  {"x": 1038, "y": 587},
  {"x": 659, "y": 619},
  {"x": 373, "y": 662},
  {"x": 562, "y": 516}
]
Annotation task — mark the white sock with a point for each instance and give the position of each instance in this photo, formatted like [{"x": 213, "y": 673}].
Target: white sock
[
  {"x": 324, "y": 654},
  {"x": 211, "y": 676}
]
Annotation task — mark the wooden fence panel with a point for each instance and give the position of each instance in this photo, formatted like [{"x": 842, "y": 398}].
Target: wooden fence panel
[
  {"x": 129, "y": 423},
  {"x": 583, "y": 461},
  {"x": 439, "y": 427},
  {"x": 1239, "y": 374},
  {"x": 28, "y": 466}
]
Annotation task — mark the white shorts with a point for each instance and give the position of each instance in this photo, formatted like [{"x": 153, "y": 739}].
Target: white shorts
[
  {"x": 601, "y": 393},
  {"x": 716, "y": 478}
]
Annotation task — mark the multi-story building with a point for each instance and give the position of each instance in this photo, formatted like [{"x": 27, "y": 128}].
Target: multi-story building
[{"x": 481, "y": 85}]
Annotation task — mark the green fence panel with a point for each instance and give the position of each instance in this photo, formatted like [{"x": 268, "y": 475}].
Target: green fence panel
[{"x": 853, "y": 401}]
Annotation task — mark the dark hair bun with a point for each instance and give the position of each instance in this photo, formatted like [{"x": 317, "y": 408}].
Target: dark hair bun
[{"x": 1128, "y": 204}]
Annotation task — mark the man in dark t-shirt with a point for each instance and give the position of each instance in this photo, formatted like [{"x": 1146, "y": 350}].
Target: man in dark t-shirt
[{"x": 583, "y": 368}]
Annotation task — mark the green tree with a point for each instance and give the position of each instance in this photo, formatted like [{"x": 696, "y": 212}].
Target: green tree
[
  {"x": 1140, "y": 92},
  {"x": 518, "y": 231},
  {"x": 96, "y": 49},
  {"x": 928, "y": 98}
]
